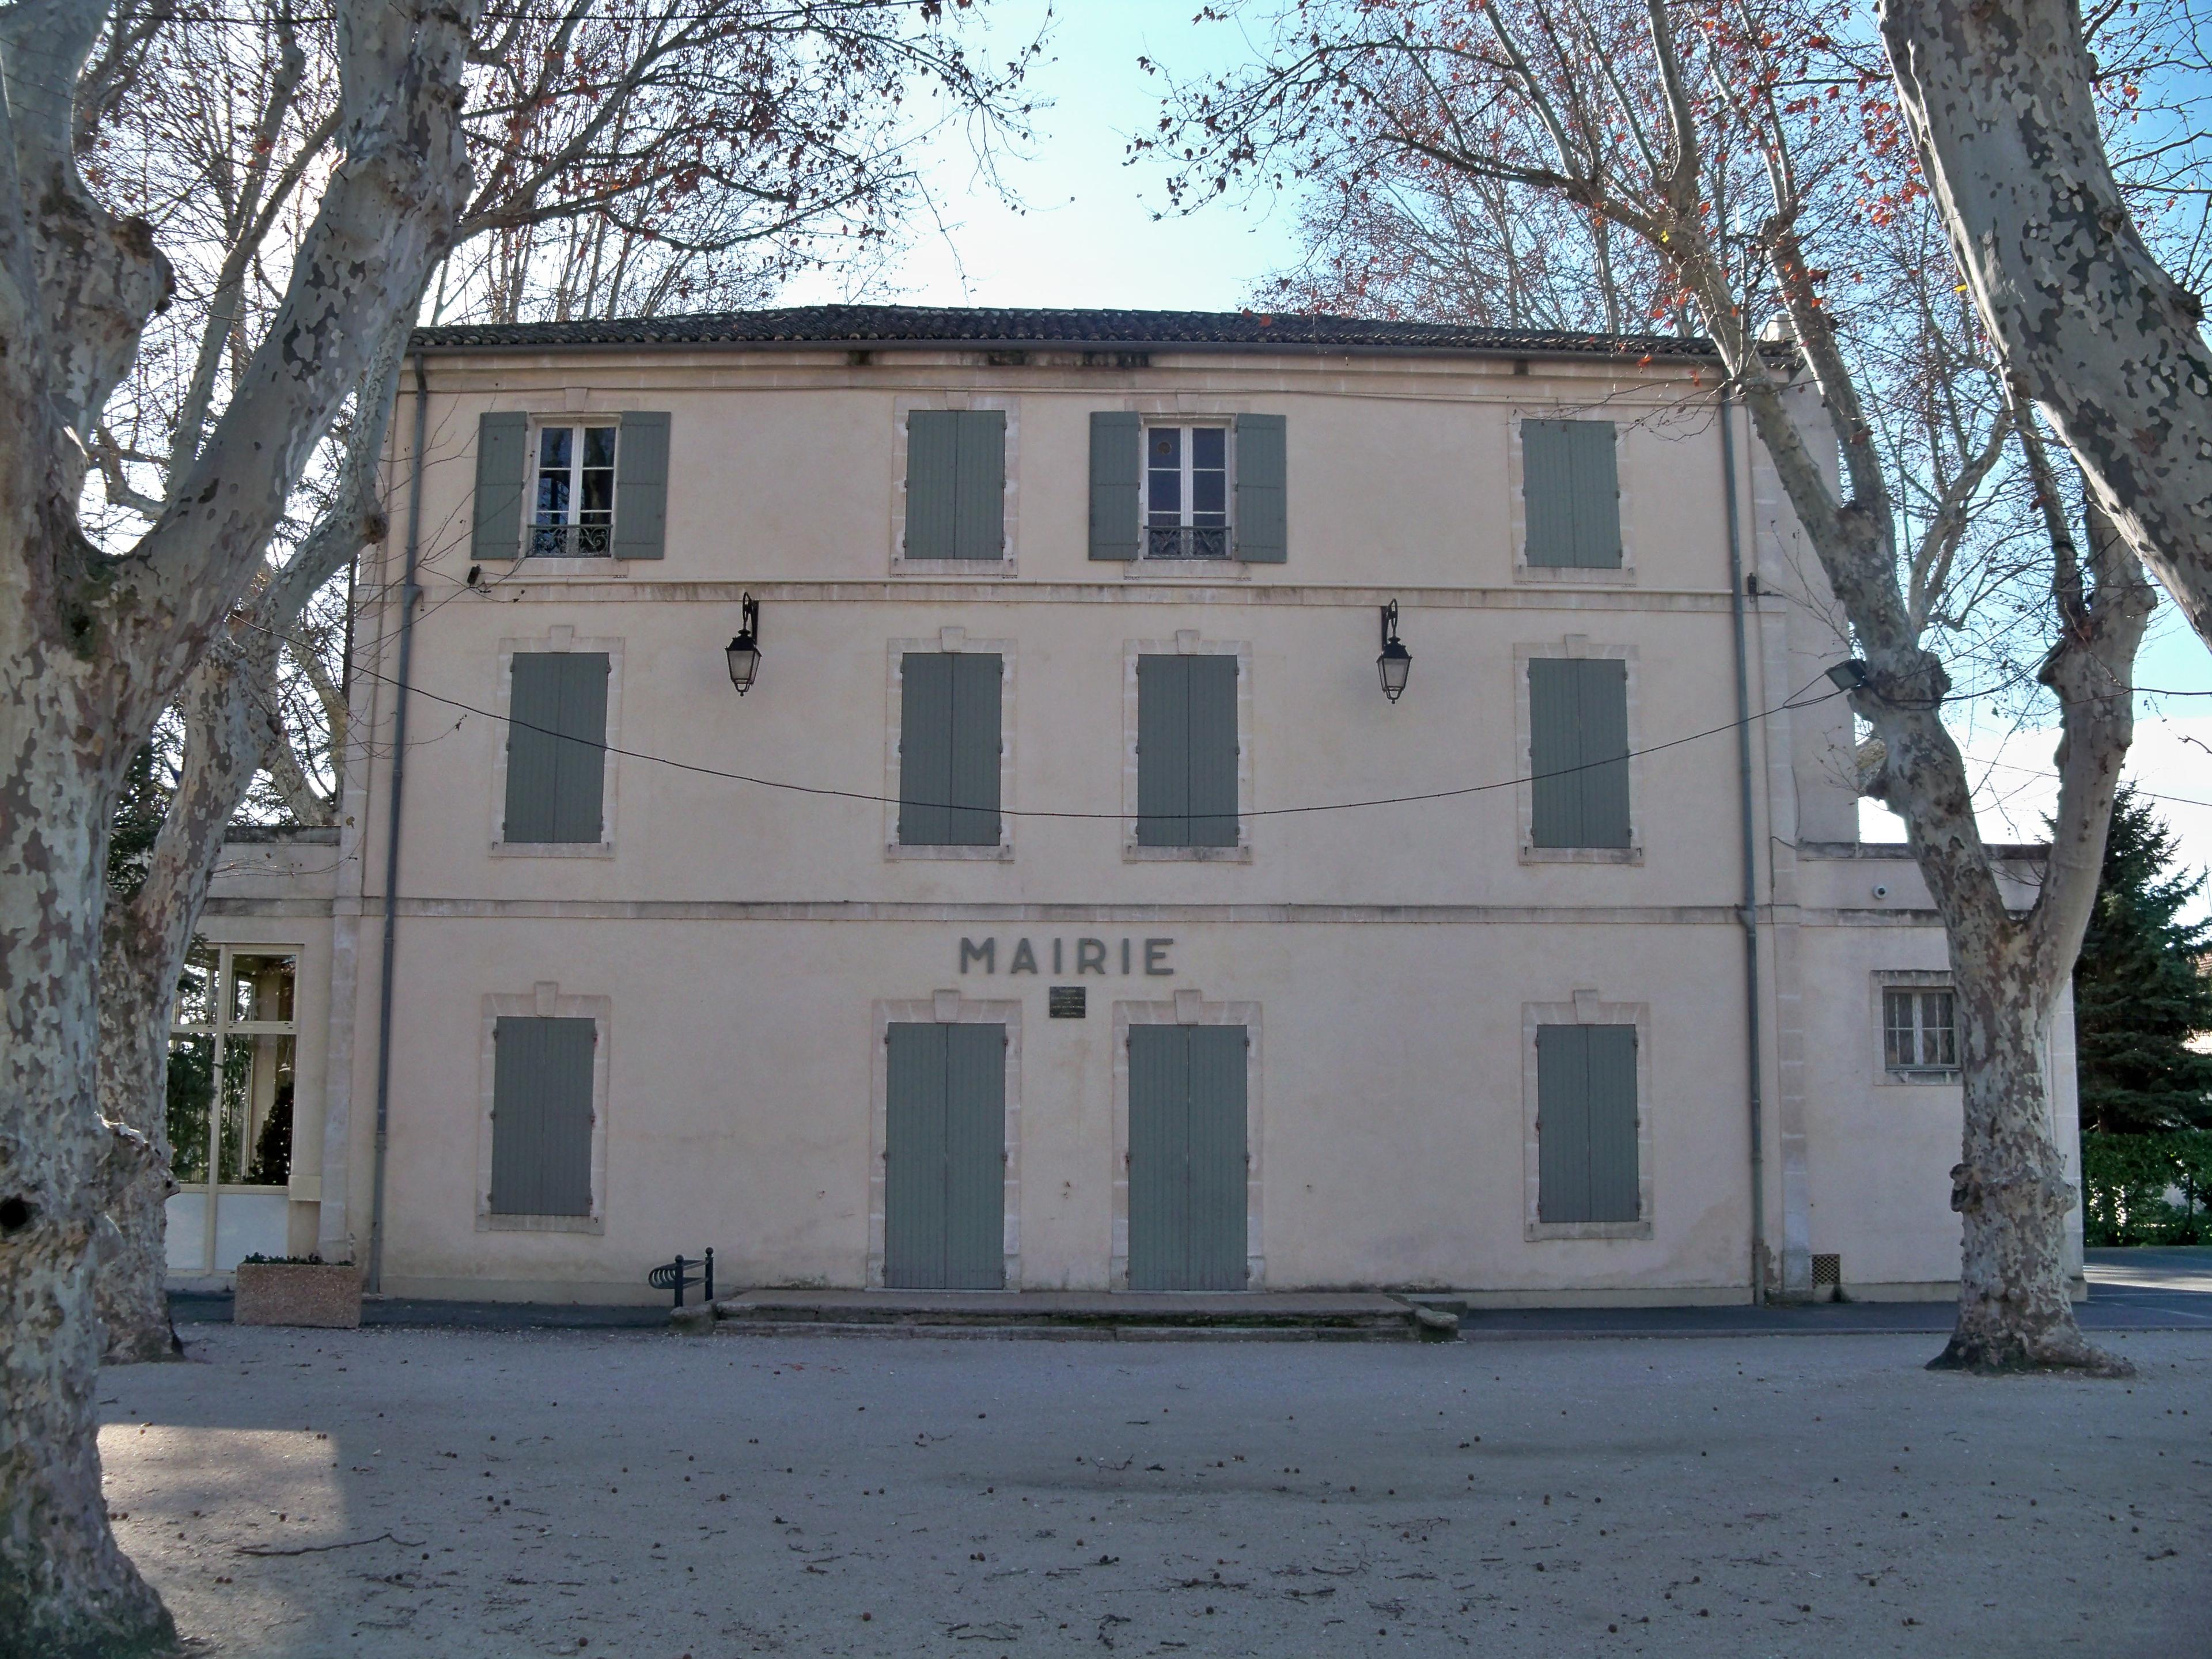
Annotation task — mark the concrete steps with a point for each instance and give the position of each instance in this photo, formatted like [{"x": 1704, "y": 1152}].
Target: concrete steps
[{"x": 1071, "y": 1316}]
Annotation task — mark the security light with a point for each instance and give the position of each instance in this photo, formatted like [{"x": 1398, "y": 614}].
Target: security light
[{"x": 1849, "y": 675}]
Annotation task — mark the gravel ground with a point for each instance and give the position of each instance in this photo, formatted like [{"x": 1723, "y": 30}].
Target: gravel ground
[{"x": 617, "y": 1494}]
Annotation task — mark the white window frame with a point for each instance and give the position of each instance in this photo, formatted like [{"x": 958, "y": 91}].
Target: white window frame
[
  {"x": 1187, "y": 643},
  {"x": 1226, "y": 425},
  {"x": 544, "y": 1002},
  {"x": 948, "y": 640},
  {"x": 943, "y": 1008},
  {"x": 1916, "y": 984},
  {"x": 575, "y": 422},
  {"x": 555, "y": 640},
  {"x": 220, "y": 1031}
]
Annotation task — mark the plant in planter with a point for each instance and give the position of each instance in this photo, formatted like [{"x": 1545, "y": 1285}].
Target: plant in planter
[{"x": 293, "y": 1290}]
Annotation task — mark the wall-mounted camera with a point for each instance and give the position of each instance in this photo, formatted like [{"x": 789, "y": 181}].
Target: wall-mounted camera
[{"x": 1882, "y": 890}]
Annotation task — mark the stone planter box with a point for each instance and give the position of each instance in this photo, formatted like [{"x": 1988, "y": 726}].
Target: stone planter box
[{"x": 324, "y": 1295}]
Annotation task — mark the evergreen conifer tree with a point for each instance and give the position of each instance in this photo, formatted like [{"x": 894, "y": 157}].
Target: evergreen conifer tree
[{"x": 2141, "y": 987}]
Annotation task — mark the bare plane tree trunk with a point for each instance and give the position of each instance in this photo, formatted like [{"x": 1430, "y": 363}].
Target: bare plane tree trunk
[
  {"x": 2000, "y": 99},
  {"x": 92, "y": 647}
]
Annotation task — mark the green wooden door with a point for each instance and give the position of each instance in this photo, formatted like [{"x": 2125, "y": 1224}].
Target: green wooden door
[
  {"x": 1187, "y": 1157},
  {"x": 944, "y": 1158}
]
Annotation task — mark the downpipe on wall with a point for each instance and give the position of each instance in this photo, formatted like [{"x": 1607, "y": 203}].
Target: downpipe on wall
[
  {"x": 409, "y": 593},
  {"x": 1750, "y": 908}
]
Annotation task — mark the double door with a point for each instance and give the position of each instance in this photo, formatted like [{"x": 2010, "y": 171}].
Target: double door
[
  {"x": 1188, "y": 1163},
  {"x": 944, "y": 1158}
]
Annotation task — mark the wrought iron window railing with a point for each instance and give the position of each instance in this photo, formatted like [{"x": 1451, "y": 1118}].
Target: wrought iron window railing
[
  {"x": 1187, "y": 541},
  {"x": 571, "y": 541}
]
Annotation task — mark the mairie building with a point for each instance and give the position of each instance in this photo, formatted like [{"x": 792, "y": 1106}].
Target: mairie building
[{"x": 964, "y": 799}]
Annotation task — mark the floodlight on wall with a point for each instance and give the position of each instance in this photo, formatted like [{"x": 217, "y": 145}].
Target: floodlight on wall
[
  {"x": 743, "y": 651},
  {"x": 1395, "y": 663},
  {"x": 1849, "y": 675}
]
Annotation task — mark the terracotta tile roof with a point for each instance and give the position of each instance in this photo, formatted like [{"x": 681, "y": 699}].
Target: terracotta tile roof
[{"x": 880, "y": 327}]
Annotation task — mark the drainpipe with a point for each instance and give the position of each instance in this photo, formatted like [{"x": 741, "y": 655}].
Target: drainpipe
[
  {"x": 408, "y": 593},
  {"x": 1750, "y": 865}
]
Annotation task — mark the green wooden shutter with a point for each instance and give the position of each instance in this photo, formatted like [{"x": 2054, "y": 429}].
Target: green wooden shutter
[
  {"x": 1213, "y": 751},
  {"x": 1216, "y": 1155},
  {"x": 1602, "y": 698},
  {"x": 533, "y": 747},
  {"x": 1613, "y": 1194},
  {"x": 932, "y": 463},
  {"x": 975, "y": 1157},
  {"x": 1117, "y": 458},
  {"x": 980, "y": 485},
  {"x": 925, "y": 748},
  {"x": 641, "y": 486},
  {"x": 914, "y": 1157},
  {"x": 956, "y": 483},
  {"x": 541, "y": 1120},
  {"x": 1262, "y": 469},
  {"x": 579, "y": 801},
  {"x": 556, "y": 740},
  {"x": 972, "y": 772},
  {"x": 1570, "y": 493},
  {"x": 502, "y": 459},
  {"x": 1163, "y": 751},
  {"x": 1159, "y": 1188},
  {"x": 1562, "y": 1124},
  {"x": 1554, "y": 753},
  {"x": 1578, "y": 751}
]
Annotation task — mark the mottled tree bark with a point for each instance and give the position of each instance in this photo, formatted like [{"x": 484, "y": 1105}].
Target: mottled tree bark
[
  {"x": 92, "y": 647},
  {"x": 232, "y": 727},
  {"x": 2110, "y": 348}
]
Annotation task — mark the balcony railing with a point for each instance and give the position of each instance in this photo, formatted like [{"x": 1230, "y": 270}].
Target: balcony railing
[
  {"x": 571, "y": 541},
  {"x": 1187, "y": 541}
]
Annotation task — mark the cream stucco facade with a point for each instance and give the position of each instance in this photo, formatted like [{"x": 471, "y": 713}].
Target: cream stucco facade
[{"x": 743, "y": 949}]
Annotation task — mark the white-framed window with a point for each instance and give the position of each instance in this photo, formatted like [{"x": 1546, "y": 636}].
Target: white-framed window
[
  {"x": 1187, "y": 491},
  {"x": 1919, "y": 1031},
  {"x": 572, "y": 491},
  {"x": 232, "y": 1045}
]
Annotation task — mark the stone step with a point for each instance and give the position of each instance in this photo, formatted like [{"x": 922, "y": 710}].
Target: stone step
[
  {"x": 1038, "y": 1332},
  {"x": 1136, "y": 1315}
]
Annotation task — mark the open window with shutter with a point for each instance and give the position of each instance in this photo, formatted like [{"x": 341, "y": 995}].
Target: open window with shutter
[
  {"x": 956, "y": 485},
  {"x": 1177, "y": 489},
  {"x": 950, "y": 746},
  {"x": 1571, "y": 495},
  {"x": 1578, "y": 746},
  {"x": 557, "y": 748},
  {"x": 1187, "y": 751},
  {"x": 572, "y": 487}
]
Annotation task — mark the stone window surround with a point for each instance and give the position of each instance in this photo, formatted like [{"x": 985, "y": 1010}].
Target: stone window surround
[
  {"x": 943, "y": 1008},
  {"x": 1524, "y": 793},
  {"x": 1170, "y": 408},
  {"x": 577, "y": 404},
  {"x": 975, "y": 569},
  {"x": 544, "y": 1002},
  {"x": 1569, "y": 575},
  {"x": 555, "y": 640},
  {"x": 1901, "y": 978},
  {"x": 1189, "y": 1006},
  {"x": 948, "y": 640},
  {"x": 1584, "y": 1009},
  {"x": 1187, "y": 642}
]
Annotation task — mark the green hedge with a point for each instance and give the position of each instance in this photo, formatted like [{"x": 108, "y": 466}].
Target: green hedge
[{"x": 2129, "y": 1181}]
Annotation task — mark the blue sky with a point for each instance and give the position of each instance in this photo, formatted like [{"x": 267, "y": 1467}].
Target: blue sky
[{"x": 1081, "y": 232}]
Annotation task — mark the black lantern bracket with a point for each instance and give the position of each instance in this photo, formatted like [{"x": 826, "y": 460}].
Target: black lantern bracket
[
  {"x": 1396, "y": 665},
  {"x": 743, "y": 653}
]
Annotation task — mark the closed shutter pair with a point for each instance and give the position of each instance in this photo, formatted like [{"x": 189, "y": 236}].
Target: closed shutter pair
[
  {"x": 640, "y": 527},
  {"x": 557, "y": 746},
  {"x": 1586, "y": 1150},
  {"x": 541, "y": 1116},
  {"x": 1578, "y": 751},
  {"x": 1259, "y": 523},
  {"x": 1570, "y": 494},
  {"x": 949, "y": 748}
]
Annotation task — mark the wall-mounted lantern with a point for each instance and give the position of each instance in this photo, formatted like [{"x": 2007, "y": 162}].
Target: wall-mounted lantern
[
  {"x": 1396, "y": 662},
  {"x": 743, "y": 651}
]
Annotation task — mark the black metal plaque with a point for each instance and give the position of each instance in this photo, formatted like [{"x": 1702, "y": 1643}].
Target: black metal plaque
[{"x": 1067, "y": 1002}]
